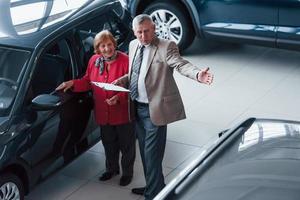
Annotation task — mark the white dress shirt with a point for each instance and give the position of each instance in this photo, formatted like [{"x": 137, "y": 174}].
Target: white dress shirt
[{"x": 142, "y": 97}]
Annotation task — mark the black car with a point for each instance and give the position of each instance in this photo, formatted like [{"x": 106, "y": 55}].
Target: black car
[
  {"x": 42, "y": 44},
  {"x": 273, "y": 23},
  {"x": 258, "y": 159}
]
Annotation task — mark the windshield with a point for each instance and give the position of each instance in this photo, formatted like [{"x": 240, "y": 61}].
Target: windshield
[{"x": 12, "y": 62}]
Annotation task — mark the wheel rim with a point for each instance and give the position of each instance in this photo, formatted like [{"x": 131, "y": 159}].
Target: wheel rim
[
  {"x": 167, "y": 25},
  {"x": 9, "y": 191}
]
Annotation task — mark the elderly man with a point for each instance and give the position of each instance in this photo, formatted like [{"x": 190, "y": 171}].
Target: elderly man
[{"x": 155, "y": 95}]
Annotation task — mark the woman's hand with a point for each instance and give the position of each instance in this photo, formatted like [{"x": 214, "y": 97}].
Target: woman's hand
[
  {"x": 65, "y": 86},
  {"x": 113, "y": 100}
]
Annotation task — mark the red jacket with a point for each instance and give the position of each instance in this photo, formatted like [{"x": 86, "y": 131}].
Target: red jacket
[{"x": 104, "y": 113}]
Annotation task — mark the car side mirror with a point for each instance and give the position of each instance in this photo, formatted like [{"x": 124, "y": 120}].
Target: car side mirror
[{"x": 45, "y": 102}]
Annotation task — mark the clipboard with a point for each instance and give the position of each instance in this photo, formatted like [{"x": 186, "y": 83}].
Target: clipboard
[{"x": 110, "y": 87}]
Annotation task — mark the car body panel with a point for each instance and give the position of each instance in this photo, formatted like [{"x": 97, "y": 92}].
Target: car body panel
[
  {"x": 288, "y": 32},
  {"x": 257, "y": 159},
  {"x": 273, "y": 23},
  {"x": 219, "y": 19}
]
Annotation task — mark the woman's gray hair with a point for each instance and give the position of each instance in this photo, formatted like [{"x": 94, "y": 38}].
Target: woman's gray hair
[
  {"x": 103, "y": 36},
  {"x": 140, "y": 19}
]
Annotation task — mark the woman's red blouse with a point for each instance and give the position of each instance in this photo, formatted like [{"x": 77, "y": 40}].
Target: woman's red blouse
[{"x": 104, "y": 113}]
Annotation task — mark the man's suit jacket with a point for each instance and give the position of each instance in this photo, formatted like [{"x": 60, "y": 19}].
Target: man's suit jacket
[{"x": 165, "y": 103}]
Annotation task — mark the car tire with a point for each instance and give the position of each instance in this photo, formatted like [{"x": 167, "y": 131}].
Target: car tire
[
  {"x": 11, "y": 186},
  {"x": 176, "y": 26}
]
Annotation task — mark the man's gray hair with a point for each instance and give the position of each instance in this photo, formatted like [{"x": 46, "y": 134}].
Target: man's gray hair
[{"x": 140, "y": 19}]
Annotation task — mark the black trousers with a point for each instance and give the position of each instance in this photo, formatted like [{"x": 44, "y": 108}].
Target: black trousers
[{"x": 116, "y": 139}]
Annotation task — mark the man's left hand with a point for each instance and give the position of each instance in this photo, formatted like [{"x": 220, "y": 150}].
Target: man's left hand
[{"x": 204, "y": 76}]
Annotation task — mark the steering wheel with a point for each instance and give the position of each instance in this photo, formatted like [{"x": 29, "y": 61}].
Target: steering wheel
[{"x": 9, "y": 82}]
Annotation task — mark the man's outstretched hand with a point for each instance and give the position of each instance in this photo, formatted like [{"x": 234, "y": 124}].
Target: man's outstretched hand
[{"x": 204, "y": 76}]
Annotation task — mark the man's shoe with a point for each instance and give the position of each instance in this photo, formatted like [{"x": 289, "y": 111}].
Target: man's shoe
[
  {"x": 125, "y": 180},
  {"x": 139, "y": 191},
  {"x": 107, "y": 175}
]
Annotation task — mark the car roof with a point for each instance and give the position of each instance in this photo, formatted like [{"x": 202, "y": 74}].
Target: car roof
[{"x": 21, "y": 27}]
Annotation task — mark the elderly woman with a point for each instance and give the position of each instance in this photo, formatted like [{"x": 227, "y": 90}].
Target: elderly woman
[{"x": 110, "y": 107}]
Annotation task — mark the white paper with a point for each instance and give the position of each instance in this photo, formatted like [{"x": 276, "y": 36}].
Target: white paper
[{"x": 110, "y": 87}]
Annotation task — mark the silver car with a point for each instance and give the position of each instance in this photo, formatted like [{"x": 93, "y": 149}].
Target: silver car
[{"x": 258, "y": 159}]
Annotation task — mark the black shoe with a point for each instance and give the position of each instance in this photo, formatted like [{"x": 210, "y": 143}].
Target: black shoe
[
  {"x": 107, "y": 175},
  {"x": 125, "y": 180},
  {"x": 139, "y": 191}
]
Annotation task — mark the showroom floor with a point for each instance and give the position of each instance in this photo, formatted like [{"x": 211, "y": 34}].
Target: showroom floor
[{"x": 249, "y": 81}]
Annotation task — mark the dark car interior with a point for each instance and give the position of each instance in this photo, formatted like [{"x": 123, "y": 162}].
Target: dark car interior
[
  {"x": 51, "y": 70},
  {"x": 50, "y": 75}
]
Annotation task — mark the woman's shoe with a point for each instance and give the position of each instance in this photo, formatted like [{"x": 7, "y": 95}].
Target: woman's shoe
[
  {"x": 107, "y": 175},
  {"x": 125, "y": 180}
]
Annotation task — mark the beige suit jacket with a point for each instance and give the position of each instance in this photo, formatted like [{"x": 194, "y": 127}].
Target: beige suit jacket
[{"x": 165, "y": 103}]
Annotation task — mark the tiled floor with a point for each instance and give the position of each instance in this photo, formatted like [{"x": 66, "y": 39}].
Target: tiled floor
[{"x": 249, "y": 81}]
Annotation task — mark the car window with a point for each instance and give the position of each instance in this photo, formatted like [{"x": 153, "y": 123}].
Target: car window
[
  {"x": 12, "y": 61},
  {"x": 53, "y": 68},
  {"x": 85, "y": 33}
]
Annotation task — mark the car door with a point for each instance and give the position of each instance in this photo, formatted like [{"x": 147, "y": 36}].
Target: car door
[
  {"x": 288, "y": 34},
  {"x": 239, "y": 20},
  {"x": 56, "y": 133}
]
